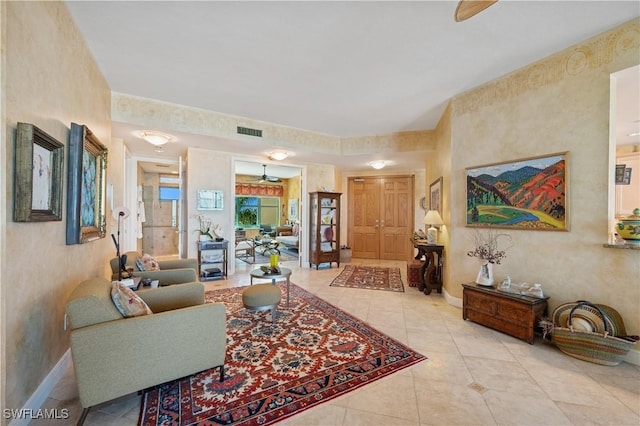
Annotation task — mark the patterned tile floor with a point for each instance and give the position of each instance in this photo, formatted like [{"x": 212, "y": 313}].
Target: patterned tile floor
[{"x": 474, "y": 375}]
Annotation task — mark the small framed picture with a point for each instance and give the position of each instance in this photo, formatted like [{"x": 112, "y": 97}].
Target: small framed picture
[
  {"x": 620, "y": 168},
  {"x": 435, "y": 195},
  {"x": 38, "y": 176},
  {"x": 293, "y": 209},
  {"x": 209, "y": 199}
]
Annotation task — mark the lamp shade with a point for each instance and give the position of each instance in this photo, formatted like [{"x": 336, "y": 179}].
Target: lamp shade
[{"x": 433, "y": 218}]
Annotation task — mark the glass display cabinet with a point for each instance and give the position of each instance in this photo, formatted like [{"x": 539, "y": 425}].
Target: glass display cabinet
[{"x": 324, "y": 228}]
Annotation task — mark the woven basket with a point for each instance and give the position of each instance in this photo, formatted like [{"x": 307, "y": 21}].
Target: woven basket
[{"x": 599, "y": 348}]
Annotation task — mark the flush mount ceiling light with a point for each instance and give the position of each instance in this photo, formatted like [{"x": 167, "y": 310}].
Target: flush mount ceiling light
[
  {"x": 634, "y": 134},
  {"x": 377, "y": 164},
  {"x": 154, "y": 137},
  {"x": 278, "y": 155}
]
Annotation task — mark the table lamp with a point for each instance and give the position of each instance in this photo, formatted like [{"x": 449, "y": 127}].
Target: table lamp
[{"x": 433, "y": 219}]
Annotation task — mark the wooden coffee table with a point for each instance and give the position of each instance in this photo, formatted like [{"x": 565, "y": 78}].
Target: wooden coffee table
[{"x": 284, "y": 273}]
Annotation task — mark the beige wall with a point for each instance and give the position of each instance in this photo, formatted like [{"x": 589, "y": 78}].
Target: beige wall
[
  {"x": 558, "y": 104},
  {"x": 52, "y": 81}
]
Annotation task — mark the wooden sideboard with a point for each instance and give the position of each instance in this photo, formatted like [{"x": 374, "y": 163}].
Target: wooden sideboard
[{"x": 514, "y": 314}]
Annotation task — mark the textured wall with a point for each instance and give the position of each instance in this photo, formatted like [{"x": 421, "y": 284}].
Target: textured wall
[
  {"x": 50, "y": 80},
  {"x": 560, "y": 103}
]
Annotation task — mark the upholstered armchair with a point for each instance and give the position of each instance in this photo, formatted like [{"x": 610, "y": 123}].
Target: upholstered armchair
[
  {"x": 174, "y": 271},
  {"x": 114, "y": 356}
]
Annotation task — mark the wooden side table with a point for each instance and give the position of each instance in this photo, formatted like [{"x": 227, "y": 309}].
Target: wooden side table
[
  {"x": 431, "y": 270},
  {"x": 513, "y": 314}
]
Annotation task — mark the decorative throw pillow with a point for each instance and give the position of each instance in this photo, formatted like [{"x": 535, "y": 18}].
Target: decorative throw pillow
[
  {"x": 139, "y": 264},
  {"x": 127, "y": 301},
  {"x": 150, "y": 264},
  {"x": 296, "y": 229}
]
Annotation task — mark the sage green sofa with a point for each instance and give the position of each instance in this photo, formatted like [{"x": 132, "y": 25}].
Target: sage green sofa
[
  {"x": 114, "y": 356},
  {"x": 174, "y": 271}
]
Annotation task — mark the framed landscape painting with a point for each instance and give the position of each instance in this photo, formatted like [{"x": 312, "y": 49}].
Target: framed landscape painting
[
  {"x": 530, "y": 193},
  {"x": 86, "y": 186}
]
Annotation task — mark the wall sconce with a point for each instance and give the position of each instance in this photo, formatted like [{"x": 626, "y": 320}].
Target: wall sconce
[
  {"x": 278, "y": 155},
  {"x": 432, "y": 218},
  {"x": 155, "y": 138},
  {"x": 377, "y": 164}
]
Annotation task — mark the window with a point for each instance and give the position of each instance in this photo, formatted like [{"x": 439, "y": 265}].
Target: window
[
  {"x": 251, "y": 212},
  {"x": 169, "y": 188},
  {"x": 168, "y": 193}
]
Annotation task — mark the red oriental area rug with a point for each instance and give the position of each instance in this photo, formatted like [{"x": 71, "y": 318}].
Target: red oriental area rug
[
  {"x": 369, "y": 277},
  {"x": 313, "y": 352}
]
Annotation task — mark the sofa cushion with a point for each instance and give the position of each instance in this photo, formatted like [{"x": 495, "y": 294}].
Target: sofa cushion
[{"x": 128, "y": 302}]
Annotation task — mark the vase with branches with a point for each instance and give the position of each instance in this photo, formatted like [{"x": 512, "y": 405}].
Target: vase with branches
[{"x": 489, "y": 252}]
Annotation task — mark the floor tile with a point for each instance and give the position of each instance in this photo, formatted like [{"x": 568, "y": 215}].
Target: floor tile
[{"x": 473, "y": 375}]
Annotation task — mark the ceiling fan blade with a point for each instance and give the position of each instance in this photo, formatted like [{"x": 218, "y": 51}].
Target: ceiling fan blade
[{"x": 468, "y": 8}]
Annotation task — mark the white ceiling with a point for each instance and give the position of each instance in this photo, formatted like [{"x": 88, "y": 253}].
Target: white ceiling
[{"x": 341, "y": 68}]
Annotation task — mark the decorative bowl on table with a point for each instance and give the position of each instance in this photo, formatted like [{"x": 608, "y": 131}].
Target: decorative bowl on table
[
  {"x": 270, "y": 270},
  {"x": 629, "y": 228}
]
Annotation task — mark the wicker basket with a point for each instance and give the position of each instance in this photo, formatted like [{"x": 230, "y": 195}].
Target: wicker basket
[{"x": 600, "y": 348}]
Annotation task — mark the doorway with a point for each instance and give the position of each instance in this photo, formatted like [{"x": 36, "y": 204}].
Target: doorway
[
  {"x": 161, "y": 197},
  {"x": 380, "y": 216},
  {"x": 268, "y": 203}
]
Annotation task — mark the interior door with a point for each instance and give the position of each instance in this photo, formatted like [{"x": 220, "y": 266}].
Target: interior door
[
  {"x": 396, "y": 213},
  {"x": 381, "y": 217},
  {"x": 364, "y": 205}
]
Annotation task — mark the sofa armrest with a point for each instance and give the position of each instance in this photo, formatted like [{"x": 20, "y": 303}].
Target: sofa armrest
[
  {"x": 173, "y": 297},
  {"x": 119, "y": 357},
  {"x": 178, "y": 264},
  {"x": 170, "y": 276}
]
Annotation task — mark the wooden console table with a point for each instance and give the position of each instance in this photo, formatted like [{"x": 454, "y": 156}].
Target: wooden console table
[
  {"x": 431, "y": 270},
  {"x": 514, "y": 314}
]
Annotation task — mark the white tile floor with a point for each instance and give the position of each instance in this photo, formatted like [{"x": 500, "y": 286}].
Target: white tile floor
[{"x": 474, "y": 375}]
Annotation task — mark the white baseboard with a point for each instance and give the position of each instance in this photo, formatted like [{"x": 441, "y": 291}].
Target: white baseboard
[{"x": 41, "y": 394}]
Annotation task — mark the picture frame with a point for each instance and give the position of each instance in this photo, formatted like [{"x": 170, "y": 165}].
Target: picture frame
[
  {"x": 435, "y": 195},
  {"x": 210, "y": 199},
  {"x": 530, "y": 193},
  {"x": 293, "y": 209},
  {"x": 86, "y": 186},
  {"x": 620, "y": 168},
  {"x": 38, "y": 170}
]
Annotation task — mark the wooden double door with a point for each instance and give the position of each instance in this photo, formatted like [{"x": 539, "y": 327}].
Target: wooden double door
[{"x": 381, "y": 217}]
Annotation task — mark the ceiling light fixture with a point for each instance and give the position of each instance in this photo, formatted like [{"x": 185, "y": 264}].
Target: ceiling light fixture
[
  {"x": 154, "y": 137},
  {"x": 278, "y": 155},
  {"x": 377, "y": 164},
  {"x": 634, "y": 134}
]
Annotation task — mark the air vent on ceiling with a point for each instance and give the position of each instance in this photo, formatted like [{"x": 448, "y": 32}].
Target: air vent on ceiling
[{"x": 251, "y": 132}]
